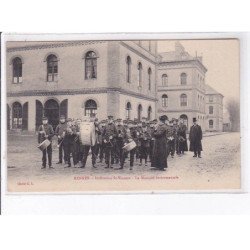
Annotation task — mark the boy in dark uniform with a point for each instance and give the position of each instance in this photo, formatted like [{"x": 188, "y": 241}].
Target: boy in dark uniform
[
  {"x": 70, "y": 143},
  {"x": 131, "y": 135},
  {"x": 60, "y": 133},
  {"x": 120, "y": 139},
  {"x": 45, "y": 131},
  {"x": 109, "y": 135},
  {"x": 144, "y": 142}
]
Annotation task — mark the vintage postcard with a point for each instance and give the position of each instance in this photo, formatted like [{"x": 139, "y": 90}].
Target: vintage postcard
[{"x": 116, "y": 115}]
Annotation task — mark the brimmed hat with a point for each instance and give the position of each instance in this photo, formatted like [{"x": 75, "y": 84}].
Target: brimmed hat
[
  {"x": 194, "y": 119},
  {"x": 44, "y": 118}
]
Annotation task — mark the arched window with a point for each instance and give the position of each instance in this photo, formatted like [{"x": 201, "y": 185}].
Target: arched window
[
  {"x": 139, "y": 111},
  {"x": 17, "y": 70},
  {"x": 128, "y": 110},
  {"x": 52, "y": 68},
  {"x": 164, "y": 79},
  {"x": 183, "y": 78},
  {"x": 17, "y": 115},
  {"x": 90, "y": 107},
  {"x": 211, "y": 123},
  {"x": 139, "y": 67},
  {"x": 91, "y": 65},
  {"x": 164, "y": 99},
  {"x": 128, "y": 69},
  {"x": 149, "y": 78},
  {"x": 183, "y": 99},
  {"x": 149, "y": 113}
]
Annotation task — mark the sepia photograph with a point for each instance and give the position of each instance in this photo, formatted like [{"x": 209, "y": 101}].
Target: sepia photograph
[{"x": 122, "y": 115}]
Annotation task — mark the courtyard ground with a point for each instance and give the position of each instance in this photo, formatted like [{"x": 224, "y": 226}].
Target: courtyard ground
[{"x": 218, "y": 169}]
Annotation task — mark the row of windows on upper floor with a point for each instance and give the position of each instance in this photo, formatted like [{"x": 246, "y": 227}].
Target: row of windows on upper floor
[
  {"x": 90, "y": 69},
  {"x": 183, "y": 79},
  {"x": 184, "y": 101}
]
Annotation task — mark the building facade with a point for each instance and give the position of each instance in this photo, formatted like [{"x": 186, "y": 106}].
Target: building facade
[
  {"x": 181, "y": 86},
  {"x": 214, "y": 110},
  {"x": 79, "y": 78},
  {"x": 126, "y": 79}
]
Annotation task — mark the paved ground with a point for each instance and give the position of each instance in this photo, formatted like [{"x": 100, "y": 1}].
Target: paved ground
[{"x": 219, "y": 168}]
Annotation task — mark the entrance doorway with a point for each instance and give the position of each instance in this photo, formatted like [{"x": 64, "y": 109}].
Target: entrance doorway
[{"x": 51, "y": 111}]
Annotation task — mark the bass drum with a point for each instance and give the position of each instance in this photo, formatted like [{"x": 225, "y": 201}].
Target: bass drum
[{"x": 87, "y": 133}]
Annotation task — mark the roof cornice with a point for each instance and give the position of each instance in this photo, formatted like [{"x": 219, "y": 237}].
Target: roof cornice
[
  {"x": 181, "y": 62},
  {"x": 52, "y": 45},
  {"x": 77, "y": 92}
]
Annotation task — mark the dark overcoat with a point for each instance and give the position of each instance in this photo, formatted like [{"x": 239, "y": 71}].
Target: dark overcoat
[
  {"x": 159, "y": 157},
  {"x": 195, "y": 137},
  {"x": 182, "y": 137}
]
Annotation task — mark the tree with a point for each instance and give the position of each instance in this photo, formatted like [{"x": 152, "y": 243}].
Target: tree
[{"x": 233, "y": 108}]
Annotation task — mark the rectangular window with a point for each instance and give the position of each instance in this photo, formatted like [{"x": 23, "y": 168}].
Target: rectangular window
[
  {"x": 211, "y": 123},
  {"x": 211, "y": 110},
  {"x": 211, "y": 98}
]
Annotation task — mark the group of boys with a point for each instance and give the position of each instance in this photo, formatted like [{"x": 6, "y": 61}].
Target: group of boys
[{"x": 111, "y": 136}]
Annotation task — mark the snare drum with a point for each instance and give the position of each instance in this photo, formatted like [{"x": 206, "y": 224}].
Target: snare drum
[
  {"x": 44, "y": 144},
  {"x": 128, "y": 147}
]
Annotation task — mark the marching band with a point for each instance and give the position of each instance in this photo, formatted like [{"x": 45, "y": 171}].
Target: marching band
[{"x": 117, "y": 141}]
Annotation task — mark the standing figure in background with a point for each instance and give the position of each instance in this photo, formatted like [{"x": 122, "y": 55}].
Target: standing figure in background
[
  {"x": 144, "y": 142},
  {"x": 70, "y": 143},
  {"x": 182, "y": 137},
  {"x": 152, "y": 139},
  {"x": 45, "y": 131},
  {"x": 120, "y": 139},
  {"x": 176, "y": 142},
  {"x": 171, "y": 139},
  {"x": 60, "y": 133},
  {"x": 93, "y": 146},
  {"x": 79, "y": 152},
  {"x": 100, "y": 143},
  {"x": 159, "y": 158},
  {"x": 109, "y": 135},
  {"x": 139, "y": 135},
  {"x": 195, "y": 137},
  {"x": 131, "y": 135}
]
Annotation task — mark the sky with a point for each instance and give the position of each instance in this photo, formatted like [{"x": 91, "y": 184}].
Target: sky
[{"x": 220, "y": 57}]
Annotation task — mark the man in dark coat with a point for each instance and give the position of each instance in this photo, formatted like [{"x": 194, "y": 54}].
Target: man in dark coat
[
  {"x": 45, "y": 131},
  {"x": 182, "y": 137},
  {"x": 60, "y": 133},
  {"x": 69, "y": 143},
  {"x": 120, "y": 139},
  {"x": 159, "y": 157},
  {"x": 195, "y": 137},
  {"x": 93, "y": 147},
  {"x": 109, "y": 134}
]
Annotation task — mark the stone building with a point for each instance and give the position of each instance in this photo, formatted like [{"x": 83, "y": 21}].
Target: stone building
[
  {"x": 79, "y": 78},
  {"x": 126, "y": 79},
  {"x": 181, "y": 86},
  {"x": 214, "y": 110}
]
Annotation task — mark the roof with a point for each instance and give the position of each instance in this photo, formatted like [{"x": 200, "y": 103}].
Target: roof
[
  {"x": 179, "y": 55},
  {"x": 173, "y": 56},
  {"x": 210, "y": 91}
]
